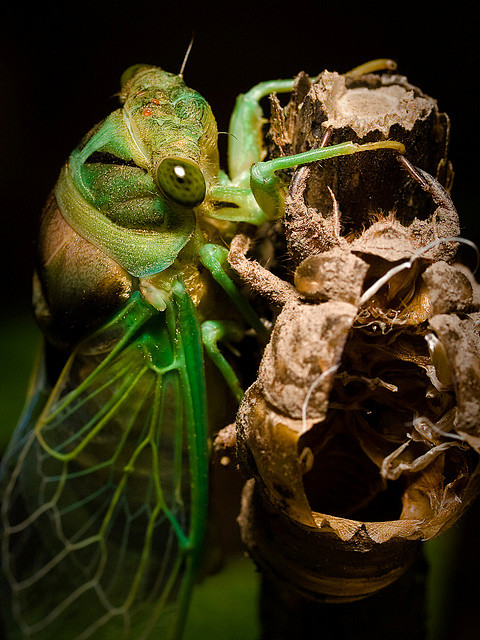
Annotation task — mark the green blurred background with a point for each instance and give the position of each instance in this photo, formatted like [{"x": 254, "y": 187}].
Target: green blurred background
[{"x": 60, "y": 66}]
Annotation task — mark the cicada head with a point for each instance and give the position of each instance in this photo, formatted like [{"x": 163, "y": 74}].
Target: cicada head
[{"x": 175, "y": 128}]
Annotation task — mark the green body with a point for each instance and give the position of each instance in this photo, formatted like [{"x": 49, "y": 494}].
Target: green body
[{"x": 105, "y": 483}]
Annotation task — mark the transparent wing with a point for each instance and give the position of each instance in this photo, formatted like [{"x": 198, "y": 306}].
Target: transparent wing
[{"x": 104, "y": 497}]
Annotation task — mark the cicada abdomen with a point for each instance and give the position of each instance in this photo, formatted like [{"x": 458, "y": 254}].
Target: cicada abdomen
[{"x": 360, "y": 435}]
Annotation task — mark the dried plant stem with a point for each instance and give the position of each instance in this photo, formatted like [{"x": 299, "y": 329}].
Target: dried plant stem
[{"x": 396, "y": 613}]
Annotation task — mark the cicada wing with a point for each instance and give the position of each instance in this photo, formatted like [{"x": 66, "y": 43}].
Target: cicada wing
[
  {"x": 36, "y": 398},
  {"x": 105, "y": 502}
]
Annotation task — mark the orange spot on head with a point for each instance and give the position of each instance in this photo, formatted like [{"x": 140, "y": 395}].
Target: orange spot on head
[
  {"x": 155, "y": 101},
  {"x": 147, "y": 112}
]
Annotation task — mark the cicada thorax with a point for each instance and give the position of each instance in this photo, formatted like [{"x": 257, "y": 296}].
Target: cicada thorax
[
  {"x": 357, "y": 433},
  {"x": 126, "y": 202}
]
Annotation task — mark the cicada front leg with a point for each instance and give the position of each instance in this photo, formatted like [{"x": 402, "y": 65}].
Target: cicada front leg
[{"x": 255, "y": 191}]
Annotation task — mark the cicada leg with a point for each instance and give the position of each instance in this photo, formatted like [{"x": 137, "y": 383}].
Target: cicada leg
[
  {"x": 255, "y": 193},
  {"x": 232, "y": 198},
  {"x": 265, "y": 198},
  {"x": 245, "y": 141},
  {"x": 214, "y": 331},
  {"x": 270, "y": 190},
  {"x": 215, "y": 259},
  {"x": 233, "y": 203}
]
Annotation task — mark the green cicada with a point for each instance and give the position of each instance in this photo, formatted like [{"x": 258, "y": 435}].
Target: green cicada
[{"x": 105, "y": 482}]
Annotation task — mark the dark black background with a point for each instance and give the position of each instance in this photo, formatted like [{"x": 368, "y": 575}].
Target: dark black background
[
  {"x": 60, "y": 66},
  {"x": 61, "y": 63}
]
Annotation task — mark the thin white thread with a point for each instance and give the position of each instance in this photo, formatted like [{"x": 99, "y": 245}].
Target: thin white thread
[
  {"x": 434, "y": 427},
  {"x": 312, "y": 388},
  {"x": 371, "y": 291}
]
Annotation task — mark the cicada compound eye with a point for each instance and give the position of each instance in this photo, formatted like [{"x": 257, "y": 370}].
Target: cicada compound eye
[
  {"x": 128, "y": 74},
  {"x": 181, "y": 181}
]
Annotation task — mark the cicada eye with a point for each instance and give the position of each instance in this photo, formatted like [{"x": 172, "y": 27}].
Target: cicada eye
[
  {"x": 182, "y": 181},
  {"x": 129, "y": 73}
]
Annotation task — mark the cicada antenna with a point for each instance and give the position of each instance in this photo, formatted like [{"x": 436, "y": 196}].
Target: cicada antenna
[{"x": 186, "y": 56}]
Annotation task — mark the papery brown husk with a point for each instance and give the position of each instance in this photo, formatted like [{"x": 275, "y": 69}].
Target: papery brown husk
[
  {"x": 275, "y": 444},
  {"x": 385, "y": 453},
  {"x": 367, "y": 109}
]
